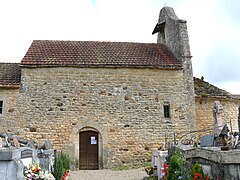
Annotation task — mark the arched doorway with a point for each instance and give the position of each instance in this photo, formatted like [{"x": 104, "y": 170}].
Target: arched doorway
[
  {"x": 88, "y": 150},
  {"x": 73, "y": 147}
]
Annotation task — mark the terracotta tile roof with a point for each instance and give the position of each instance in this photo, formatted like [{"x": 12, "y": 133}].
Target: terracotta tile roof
[
  {"x": 99, "y": 54},
  {"x": 203, "y": 88},
  {"x": 10, "y": 75}
]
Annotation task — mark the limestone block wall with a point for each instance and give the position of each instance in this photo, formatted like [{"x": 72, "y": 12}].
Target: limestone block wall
[
  {"x": 174, "y": 34},
  {"x": 125, "y": 104},
  {"x": 8, "y": 118},
  {"x": 204, "y": 113}
]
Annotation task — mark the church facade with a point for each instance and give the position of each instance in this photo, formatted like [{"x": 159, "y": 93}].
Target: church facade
[{"x": 105, "y": 103}]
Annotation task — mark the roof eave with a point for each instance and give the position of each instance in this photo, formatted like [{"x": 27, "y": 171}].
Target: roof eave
[
  {"x": 10, "y": 86},
  {"x": 177, "y": 67},
  {"x": 229, "y": 97}
]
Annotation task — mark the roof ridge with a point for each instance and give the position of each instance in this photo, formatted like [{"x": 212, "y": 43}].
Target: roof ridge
[{"x": 100, "y": 42}]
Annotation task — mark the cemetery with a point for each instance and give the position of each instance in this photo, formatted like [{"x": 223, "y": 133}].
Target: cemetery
[
  {"x": 91, "y": 105},
  {"x": 217, "y": 155},
  {"x": 21, "y": 159}
]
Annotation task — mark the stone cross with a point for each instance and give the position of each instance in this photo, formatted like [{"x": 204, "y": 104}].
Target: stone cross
[{"x": 217, "y": 114}]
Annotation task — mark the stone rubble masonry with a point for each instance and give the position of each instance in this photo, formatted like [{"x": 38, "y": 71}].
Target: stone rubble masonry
[
  {"x": 125, "y": 121},
  {"x": 9, "y": 117},
  {"x": 175, "y": 36},
  {"x": 204, "y": 112},
  {"x": 126, "y": 103}
]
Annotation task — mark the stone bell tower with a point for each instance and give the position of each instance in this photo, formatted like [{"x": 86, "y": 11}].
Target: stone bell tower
[{"x": 172, "y": 32}]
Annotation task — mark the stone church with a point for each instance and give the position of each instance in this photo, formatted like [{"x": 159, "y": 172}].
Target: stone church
[{"x": 105, "y": 103}]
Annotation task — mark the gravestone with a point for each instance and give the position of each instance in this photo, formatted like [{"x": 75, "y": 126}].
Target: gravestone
[
  {"x": 27, "y": 157},
  {"x": 158, "y": 159},
  {"x": 207, "y": 140},
  {"x": 13, "y": 160},
  {"x": 217, "y": 114},
  {"x": 46, "y": 159}
]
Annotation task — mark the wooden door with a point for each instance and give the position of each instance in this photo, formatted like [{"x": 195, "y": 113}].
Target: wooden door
[{"x": 88, "y": 150}]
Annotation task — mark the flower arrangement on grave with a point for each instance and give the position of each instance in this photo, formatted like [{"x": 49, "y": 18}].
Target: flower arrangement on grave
[
  {"x": 36, "y": 172},
  {"x": 150, "y": 171},
  {"x": 165, "y": 171},
  {"x": 197, "y": 172},
  {"x": 199, "y": 176},
  {"x": 66, "y": 175}
]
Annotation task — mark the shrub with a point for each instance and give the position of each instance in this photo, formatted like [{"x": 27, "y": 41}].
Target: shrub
[
  {"x": 177, "y": 168},
  {"x": 61, "y": 164}
]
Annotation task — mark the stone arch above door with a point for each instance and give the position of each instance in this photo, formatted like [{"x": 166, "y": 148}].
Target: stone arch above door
[
  {"x": 87, "y": 124},
  {"x": 73, "y": 147}
]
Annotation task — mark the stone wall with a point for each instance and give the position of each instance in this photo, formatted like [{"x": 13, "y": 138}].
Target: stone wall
[
  {"x": 125, "y": 104},
  {"x": 204, "y": 113},
  {"x": 9, "y": 117},
  {"x": 174, "y": 34}
]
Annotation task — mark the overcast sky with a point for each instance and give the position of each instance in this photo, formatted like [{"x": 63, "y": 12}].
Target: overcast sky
[{"x": 213, "y": 25}]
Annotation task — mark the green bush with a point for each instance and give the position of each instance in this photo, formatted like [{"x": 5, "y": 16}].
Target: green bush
[
  {"x": 66, "y": 161},
  {"x": 61, "y": 164},
  {"x": 177, "y": 168}
]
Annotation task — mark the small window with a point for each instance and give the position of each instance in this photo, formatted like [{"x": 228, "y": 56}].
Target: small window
[
  {"x": 162, "y": 32},
  {"x": 166, "y": 109},
  {"x": 1, "y": 107}
]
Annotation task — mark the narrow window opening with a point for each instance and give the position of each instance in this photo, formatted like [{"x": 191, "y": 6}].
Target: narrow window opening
[
  {"x": 166, "y": 109},
  {"x": 1, "y": 107},
  {"x": 162, "y": 33}
]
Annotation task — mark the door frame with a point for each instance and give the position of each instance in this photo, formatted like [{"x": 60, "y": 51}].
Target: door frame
[
  {"x": 73, "y": 146},
  {"x": 100, "y": 161}
]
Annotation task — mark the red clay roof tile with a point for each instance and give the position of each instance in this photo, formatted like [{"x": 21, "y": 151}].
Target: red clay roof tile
[
  {"x": 10, "y": 75},
  {"x": 103, "y": 54}
]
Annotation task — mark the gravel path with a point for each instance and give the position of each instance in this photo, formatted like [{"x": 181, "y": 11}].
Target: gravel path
[{"x": 133, "y": 174}]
